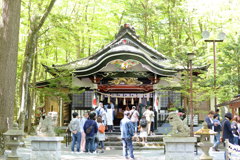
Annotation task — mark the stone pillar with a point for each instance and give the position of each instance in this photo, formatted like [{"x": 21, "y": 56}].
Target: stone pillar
[
  {"x": 179, "y": 148},
  {"x": 46, "y": 148}
]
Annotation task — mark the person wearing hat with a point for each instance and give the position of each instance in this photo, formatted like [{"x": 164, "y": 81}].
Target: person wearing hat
[{"x": 227, "y": 130}]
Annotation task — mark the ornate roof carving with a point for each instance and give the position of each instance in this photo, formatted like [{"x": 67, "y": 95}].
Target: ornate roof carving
[{"x": 125, "y": 46}]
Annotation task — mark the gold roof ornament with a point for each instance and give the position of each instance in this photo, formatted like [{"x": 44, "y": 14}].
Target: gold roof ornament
[{"x": 125, "y": 81}]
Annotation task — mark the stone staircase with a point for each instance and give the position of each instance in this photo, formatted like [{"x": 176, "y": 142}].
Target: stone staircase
[{"x": 113, "y": 141}]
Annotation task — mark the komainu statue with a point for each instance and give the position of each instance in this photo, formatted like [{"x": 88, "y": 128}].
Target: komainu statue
[
  {"x": 179, "y": 127},
  {"x": 46, "y": 126}
]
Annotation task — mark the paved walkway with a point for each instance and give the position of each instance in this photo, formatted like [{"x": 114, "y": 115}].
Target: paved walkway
[
  {"x": 115, "y": 155},
  {"x": 139, "y": 155}
]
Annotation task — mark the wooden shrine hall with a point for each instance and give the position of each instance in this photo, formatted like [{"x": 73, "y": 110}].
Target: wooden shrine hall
[{"x": 125, "y": 72}]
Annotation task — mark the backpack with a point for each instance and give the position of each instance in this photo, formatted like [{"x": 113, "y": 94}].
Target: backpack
[
  {"x": 143, "y": 123},
  {"x": 101, "y": 128},
  {"x": 130, "y": 129},
  {"x": 89, "y": 129},
  {"x": 99, "y": 112}
]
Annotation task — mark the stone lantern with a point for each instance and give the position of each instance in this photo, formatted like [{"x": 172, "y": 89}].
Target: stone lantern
[
  {"x": 15, "y": 135},
  {"x": 205, "y": 143}
]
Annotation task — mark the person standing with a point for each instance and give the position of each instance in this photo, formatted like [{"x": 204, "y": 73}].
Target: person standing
[
  {"x": 238, "y": 124},
  {"x": 217, "y": 113},
  {"x": 109, "y": 117},
  {"x": 218, "y": 129},
  {"x": 75, "y": 129},
  {"x": 152, "y": 121},
  {"x": 227, "y": 130},
  {"x": 127, "y": 131},
  {"x": 100, "y": 134},
  {"x": 90, "y": 128},
  {"x": 143, "y": 129},
  {"x": 101, "y": 112},
  {"x": 134, "y": 118},
  {"x": 113, "y": 108},
  {"x": 209, "y": 120},
  {"x": 149, "y": 114},
  {"x": 234, "y": 126},
  {"x": 83, "y": 138}
]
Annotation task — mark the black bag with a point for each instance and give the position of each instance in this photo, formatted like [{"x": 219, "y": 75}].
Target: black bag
[
  {"x": 89, "y": 129},
  {"x": 143, "y": 123}
]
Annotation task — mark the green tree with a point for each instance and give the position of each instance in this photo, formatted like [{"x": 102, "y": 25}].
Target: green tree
[{"x": 9, "y": 33}]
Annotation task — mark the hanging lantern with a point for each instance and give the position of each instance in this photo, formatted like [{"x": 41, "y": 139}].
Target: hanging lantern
[
  {"x": 132, "y": 102},
  {"x": 148, "y": 97},
  {"x": 140, "y": 100},
  {"x": 109, "y": 99},
  {"x": 124, "y": 101},
  {"x": 116, "y": 101},
  {"x": 101, "y": 97}
]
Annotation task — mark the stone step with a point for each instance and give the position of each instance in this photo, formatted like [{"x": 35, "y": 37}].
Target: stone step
[
  {"x": 135, "y": 148},
  {"x": 116, "y": 127},
  {"x": 137, "y": 144},
  {"x": 155, "y": 138},
  {"x": 113, "y": 133}
]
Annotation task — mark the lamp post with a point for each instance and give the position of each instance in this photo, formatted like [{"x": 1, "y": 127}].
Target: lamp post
[
  {"x": 221, "y": 36},
  {"x": 190, "y": 58}
]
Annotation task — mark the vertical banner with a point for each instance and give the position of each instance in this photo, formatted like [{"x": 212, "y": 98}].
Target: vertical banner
[{"x": 94, "y": 101}]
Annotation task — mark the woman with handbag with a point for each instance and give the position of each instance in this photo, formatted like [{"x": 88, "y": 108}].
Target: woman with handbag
[{"x": 100, "y": 135}]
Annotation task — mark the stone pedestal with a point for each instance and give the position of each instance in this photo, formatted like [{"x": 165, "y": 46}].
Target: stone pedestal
[
  {"x": 179, "y": 148},
  {"x": 205, "y": 146},
  {"x": 46, "y": 148}
]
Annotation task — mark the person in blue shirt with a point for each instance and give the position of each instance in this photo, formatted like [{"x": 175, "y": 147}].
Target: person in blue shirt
[
  {"x": 218, "y": 129},
  {"x": 126, "y": 136},
  {"x": 90, "y": 128},
  {"x": 209, "y": 119}
]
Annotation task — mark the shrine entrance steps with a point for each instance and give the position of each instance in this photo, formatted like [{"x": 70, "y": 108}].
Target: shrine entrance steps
[{"x": 114, "y": 142}]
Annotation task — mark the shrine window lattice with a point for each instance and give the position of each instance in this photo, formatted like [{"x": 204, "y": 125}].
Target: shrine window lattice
[
  {"x": 83, "y": 100},
  {"x": 170, "y": 99}
]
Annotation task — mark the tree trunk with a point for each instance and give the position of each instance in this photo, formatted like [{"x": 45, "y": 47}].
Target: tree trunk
[
  {"x": 32, "y": 103},
  {"x": 26, "y": 76},
  {"x": 9, "y": 33},
  {"x": 35, "y": 26}
]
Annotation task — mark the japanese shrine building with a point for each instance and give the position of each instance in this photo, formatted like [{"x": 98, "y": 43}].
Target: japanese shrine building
[{"x": 126, "y": 72}]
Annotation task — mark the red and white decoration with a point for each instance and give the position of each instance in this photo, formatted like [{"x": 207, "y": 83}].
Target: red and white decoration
[{"x": 94, "y": 101}]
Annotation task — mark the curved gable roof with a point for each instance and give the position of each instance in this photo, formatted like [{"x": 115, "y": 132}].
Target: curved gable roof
[{"x": 125, "y": 46}]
